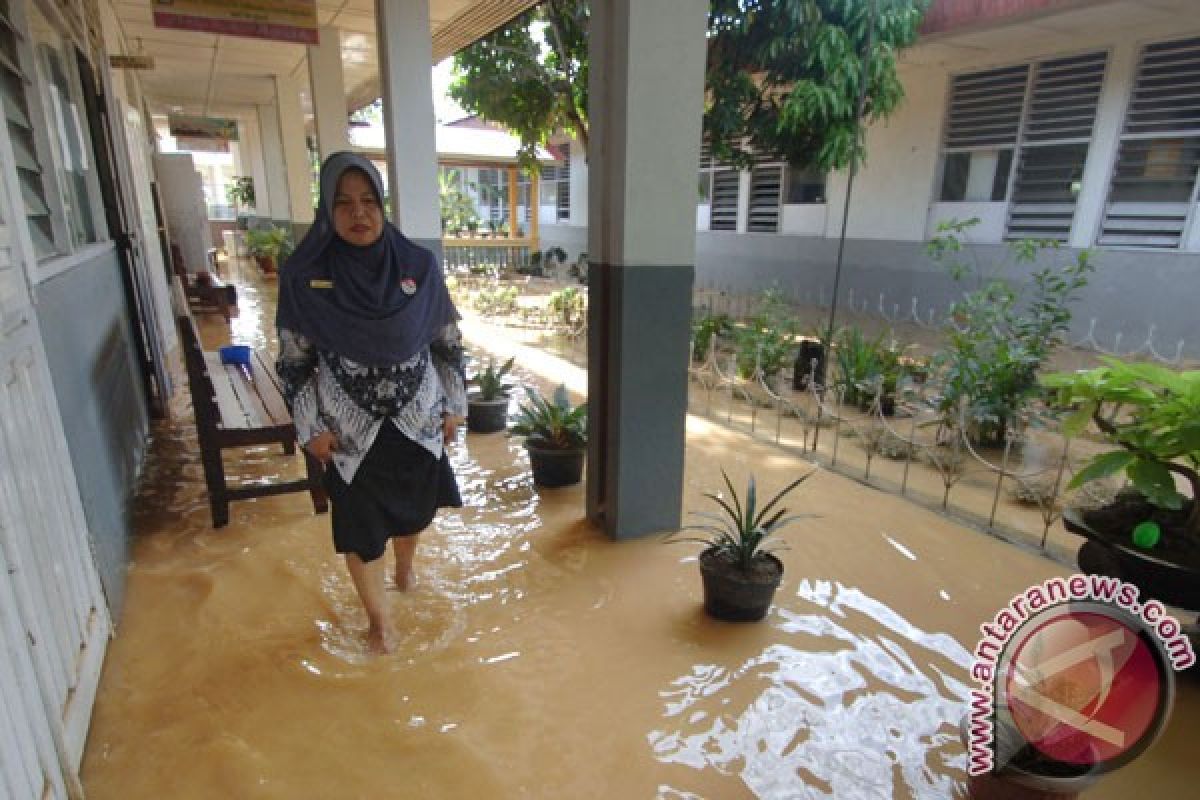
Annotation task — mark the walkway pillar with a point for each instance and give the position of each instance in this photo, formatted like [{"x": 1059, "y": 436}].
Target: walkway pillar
[
  {"x": 275, "y": 187},
  {"x": 295, "y": 151},
  {"x": 405, "y": 48},
  {"x": 646, "y": 101},
  {"x": 329, "y": 92}
]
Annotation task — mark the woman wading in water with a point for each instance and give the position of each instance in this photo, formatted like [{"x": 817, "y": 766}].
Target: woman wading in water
[{"x": 372, "y": 367}]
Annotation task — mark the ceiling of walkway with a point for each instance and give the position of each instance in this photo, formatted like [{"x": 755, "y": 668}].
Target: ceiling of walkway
[{"x": 198, "y": 73}]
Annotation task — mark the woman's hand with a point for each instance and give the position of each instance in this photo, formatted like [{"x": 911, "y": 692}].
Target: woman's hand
[
  {"x": 450, "y": 425},
  {"x": 322, "y": 446}
]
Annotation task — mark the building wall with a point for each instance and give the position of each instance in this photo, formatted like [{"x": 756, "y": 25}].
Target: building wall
[{"x": 86, "y": 329}]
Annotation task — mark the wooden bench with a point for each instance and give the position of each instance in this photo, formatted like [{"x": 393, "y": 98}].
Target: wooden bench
[
  {"x": 205, "y": 291},
  {"x": 238, "y": 406}
]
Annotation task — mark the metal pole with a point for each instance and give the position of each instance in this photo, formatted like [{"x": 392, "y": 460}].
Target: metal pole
[{"x": 858, "y": 133}]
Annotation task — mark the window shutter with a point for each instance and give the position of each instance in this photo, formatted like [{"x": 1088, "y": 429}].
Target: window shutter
[
  {"x": 766, "y": 187},
  {"x": 1054, "y": 146},
  {"x": 724, "y": 209},
  {"x": 1153, "y": 185},
  {"x": 13, "y": 86},
  {"x": 985, "y": 108},
  {"x": 563, "y": 198}
]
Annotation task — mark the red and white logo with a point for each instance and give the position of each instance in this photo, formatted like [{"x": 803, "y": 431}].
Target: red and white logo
[{"x": 1084, "y": 685}]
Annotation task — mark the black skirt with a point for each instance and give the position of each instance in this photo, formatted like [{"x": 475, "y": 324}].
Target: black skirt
[{"x": 397, "y": 489}]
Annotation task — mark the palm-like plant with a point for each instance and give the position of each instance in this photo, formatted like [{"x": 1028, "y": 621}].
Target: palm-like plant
[
  {"x": 490, "y": 380},
  {"x": 738, "y": 535},
  {"x": 553, "y": 424}
]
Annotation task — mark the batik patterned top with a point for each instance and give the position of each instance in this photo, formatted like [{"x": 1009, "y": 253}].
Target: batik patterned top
[{"x": 327, "y": 392}]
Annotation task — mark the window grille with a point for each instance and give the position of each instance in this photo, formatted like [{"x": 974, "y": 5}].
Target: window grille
[
  {"x": 1153, "y": 187},
  {"x": 724, "y": 209},
  {"x": 766, "y": 189}
]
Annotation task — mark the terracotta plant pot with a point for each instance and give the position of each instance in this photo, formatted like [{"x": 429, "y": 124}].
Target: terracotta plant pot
[
  {"x": 555, "y": 468},
  {"x": 487, "y": 416},
  {"x": 736, "y": 596}
]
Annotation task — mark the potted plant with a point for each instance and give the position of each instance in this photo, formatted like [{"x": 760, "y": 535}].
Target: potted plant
[
  {"x": 1149, "y": 536},
  {"x": 556, "y": 437},
  {"x": 739, "y": 573},
  {"x": 487, "y": 408},
  {"x": 269, "y": 246}
]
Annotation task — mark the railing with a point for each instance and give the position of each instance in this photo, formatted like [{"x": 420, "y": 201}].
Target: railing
[
  {"x": 1016, "y": 491},
  {"x": 485, "y": 256}
]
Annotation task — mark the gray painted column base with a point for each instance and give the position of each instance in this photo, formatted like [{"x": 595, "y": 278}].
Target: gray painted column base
[
  {"x": 434, "y": 246},
  {"x": 638, "y": 333}
]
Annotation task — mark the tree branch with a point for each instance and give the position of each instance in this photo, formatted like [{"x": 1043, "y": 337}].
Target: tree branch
[{"x": 554, "y": 21}]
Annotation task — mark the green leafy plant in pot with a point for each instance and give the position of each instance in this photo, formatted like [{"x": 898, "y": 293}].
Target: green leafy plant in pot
[
  {"x": 739, "y": 571},
  {"x": 1150, "y": 535},
  {"x": 555, "y": 435},
  {"x": 487, "y": 406}
]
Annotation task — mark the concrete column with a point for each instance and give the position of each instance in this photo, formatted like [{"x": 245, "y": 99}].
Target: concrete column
[
  {"x": 647, "y": 76},
  {"x": 1106, "y": 139},
  {"x": 743, "y": 209},
  {"x": 406, "y": 73},
  {"x": 329, "y": 92},
  {"x": 295, "y": 150},
  {"x": 251, "y": 147},
  {"x": 275, "y": 189},
  {"x": 579, "y": 184}
]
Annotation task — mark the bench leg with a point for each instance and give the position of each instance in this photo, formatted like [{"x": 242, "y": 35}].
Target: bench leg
[
  {"x": 316, "y": 488},
  {"x": 214, "y": 477},
  {"x": 289, "y": 446}
]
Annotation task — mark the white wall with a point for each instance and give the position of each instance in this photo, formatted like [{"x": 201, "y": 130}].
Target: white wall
[{"x": 182, "y": 193}]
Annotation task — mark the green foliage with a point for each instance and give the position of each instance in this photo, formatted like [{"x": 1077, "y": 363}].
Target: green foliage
[
  {"x": 741, "y": 530},
  {"x": 570, "y": 304},
  {"x": 1151, "y": 413},
  {"x": 270, "y": 242},
  {"x": 1000, "y": 334},
  {"x": 490, "y": 380},
  {"x": 705, "y": 329},
  {"x": 531, "y": 75},
  {"x": 785, "y": 76},
  {"x": 458, "y": 210},
  {"x": 867, "y": 367},
  {"x": 768, "y": 339},
  {"x": 241, "y": 191},
  {"x": 496, "y": 300},
  {"x": 553, "y": 424}
]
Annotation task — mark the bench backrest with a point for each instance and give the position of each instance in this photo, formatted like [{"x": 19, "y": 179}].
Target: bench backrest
[{"x": 203, "y": 395}]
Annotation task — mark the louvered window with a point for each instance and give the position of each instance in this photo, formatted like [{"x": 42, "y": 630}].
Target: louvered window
[
  {"x": 724, "y": 209},
  {"x": 766, "y": 189},
  {"x": 1057, "y": 130},
  {"x": 14, "y": 86},
  {"x": 982, "y": 128},
  {"x": 562, "y": 193},
  {"x": 1154, "y": 184},
  {"x": 1027, "y": 126}
]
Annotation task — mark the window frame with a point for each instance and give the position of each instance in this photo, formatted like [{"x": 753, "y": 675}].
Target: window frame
[{"x": 67, "y": 253}]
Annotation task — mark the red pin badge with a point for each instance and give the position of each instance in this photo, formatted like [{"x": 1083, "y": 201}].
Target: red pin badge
[{"x": 408, "y": 286}]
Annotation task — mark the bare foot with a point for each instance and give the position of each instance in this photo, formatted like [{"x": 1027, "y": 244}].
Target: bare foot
[
  {"x": 379, "y": 642},
  {"x": 406, "y": 581}
]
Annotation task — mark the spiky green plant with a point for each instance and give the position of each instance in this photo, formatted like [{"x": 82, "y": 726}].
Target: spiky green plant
[
  {"x": 741, "y": 531},
  {"x": 554, "y": 424},
  {"x": 490, "y": 380}
]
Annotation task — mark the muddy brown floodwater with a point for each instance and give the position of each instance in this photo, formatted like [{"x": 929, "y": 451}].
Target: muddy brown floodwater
[{"x": 538, "y": 659}]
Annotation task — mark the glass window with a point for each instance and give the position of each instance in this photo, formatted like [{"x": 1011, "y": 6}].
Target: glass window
[
  {"x": 978, "y": 176},
  {"x": 62, "y": 108},
  {"x": 805, "y": 186}
]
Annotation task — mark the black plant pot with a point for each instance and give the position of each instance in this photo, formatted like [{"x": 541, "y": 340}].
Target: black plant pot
[
  {"x": 487, "y": 416},
  {"x": 803, "y": 369},
  {"x": 554, "y": 468},
  {"x": 735, "y": 596},
  {"x": 1173, "y": 584}
]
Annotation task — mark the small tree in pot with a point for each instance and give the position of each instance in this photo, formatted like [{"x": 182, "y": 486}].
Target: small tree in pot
[
  {"x": 487, "y": 408},
  {"x": 740, "y": 574},
  {"x": 1150, "y": 536},
  {"x": 556, "y": 437}
]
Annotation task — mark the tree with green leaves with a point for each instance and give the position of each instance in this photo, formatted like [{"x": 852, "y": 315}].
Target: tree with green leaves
[{"x": 783, "y": 79}]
